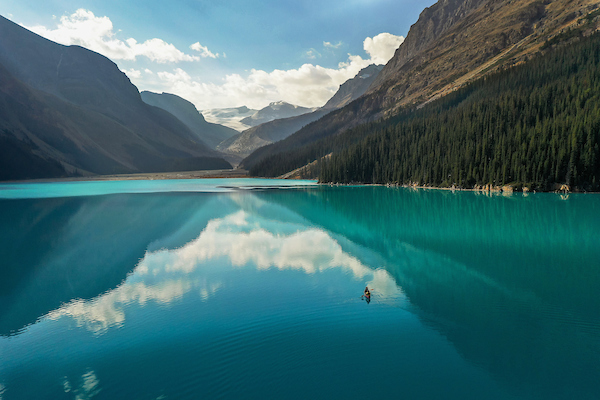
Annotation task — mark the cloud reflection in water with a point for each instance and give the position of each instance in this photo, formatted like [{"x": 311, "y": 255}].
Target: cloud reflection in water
[
  {"x": 88, "y": 386},
  {"x": 243, "y": 239}
]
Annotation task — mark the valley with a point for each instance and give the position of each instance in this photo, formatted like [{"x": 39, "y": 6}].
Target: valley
[{"x": 90, "y": 120}]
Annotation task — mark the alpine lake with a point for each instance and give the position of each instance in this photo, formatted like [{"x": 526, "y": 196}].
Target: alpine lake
[{"x": 253, "y": 289}]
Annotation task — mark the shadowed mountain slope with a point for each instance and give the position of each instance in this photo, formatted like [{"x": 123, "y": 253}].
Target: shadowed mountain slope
[
  {"x": 186, "y": 112},
  {"x": 68, "y": 106}
]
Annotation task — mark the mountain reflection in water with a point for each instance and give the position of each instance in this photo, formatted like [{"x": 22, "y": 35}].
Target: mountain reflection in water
[{"x": 510, "y": 282}]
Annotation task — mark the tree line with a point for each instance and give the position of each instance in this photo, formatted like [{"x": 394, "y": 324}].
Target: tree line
[{"x": 537, "y": 124}]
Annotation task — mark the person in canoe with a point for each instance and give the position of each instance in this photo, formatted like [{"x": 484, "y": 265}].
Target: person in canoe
[{"x": 367, "y": 295}]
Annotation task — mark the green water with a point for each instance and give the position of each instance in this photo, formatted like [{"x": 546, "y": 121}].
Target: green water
[{"x": 235, "y": 289}]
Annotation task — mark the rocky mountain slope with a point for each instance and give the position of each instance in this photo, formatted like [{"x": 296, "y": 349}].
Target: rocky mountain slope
[
  {"x": 73, "y": 111},
  {"x": 353, "y": 88},
  {"x": 186, "y": 112},
  {"x": 473, "y": 38},
  {"x": 270, "y": 132},
  {"x": 454, "y": 42}
]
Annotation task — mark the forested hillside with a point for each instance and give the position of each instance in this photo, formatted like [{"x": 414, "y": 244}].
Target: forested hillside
[
  {"x": 536, "y": 124},
  {"x": 454, "y": 43}
]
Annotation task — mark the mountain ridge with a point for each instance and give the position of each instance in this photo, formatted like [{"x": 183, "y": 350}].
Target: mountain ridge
[
  {"x": 354, "y": 87},
  {"x": 275, "y": 110},
  {"x": 186, "y": 112},
  {"x": 79, "y": 110},
  {"x": 495, "y": 35},
  {"x": 531, "y": 127},
  {"x": 273, "y": 131}
]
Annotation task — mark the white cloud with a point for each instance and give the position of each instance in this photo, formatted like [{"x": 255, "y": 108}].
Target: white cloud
[
  {"x": 133, "y": 73},
  {"x": 309, "y": 85},
  {"x": 178, "y": 76},
  {"x": 84, "y": 29},
  {"x": 107, "y": 311},
  {"x": 312, "y": 54},
  {"x": 222, "y": 237},
  {"x": 381, "y": 48},
  {"x": 203, "y": 50},
  {"x": 330, "y": 45},
  {"x": 87, "y": 389}
]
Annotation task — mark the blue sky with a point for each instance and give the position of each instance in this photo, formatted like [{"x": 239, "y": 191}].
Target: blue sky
[{"x": 227, "y": 54}]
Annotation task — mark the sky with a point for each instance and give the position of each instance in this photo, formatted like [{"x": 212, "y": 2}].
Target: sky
[{"x": 220, "y": 54}]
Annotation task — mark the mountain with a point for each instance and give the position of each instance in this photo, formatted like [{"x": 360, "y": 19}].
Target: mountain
[
  {"x": 533, "y": 126},
  {"x": 453, "y": 43},
  {"x": 186, "y": 112},
  {"x": 229, "y": 117},
  {"x": 270, "y": 132},
  {"x": 253, "y": 138},
  {"x": 465, "y": 262},
  {"x": 275, "y": 110},
  {"x": 73, "y": 111},
  {"x": 353, "y": 88}
]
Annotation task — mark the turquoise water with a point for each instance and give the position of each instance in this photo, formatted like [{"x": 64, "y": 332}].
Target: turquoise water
[
  {"x": 198, "y": 289},
  {"x": 96, "y": 188}
]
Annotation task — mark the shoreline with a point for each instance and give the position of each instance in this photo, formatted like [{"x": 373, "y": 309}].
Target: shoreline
[
  {"x": 488, "y": 189},
  {"x": 149, "y": 176},
  {"x": 243, "y": 174}
]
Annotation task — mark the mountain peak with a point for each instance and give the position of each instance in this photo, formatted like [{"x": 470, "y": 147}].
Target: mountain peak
[{"x": 275, "y": 110}]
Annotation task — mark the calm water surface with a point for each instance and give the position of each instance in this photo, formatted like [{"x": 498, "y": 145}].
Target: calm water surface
[{"x": 234, "y": 289}]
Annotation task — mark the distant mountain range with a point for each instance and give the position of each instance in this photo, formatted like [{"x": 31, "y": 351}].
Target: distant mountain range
[
  {"x": 275, "y": 110},
  {"x": 454, "y": 43},
  {"x": 243, "y": 118},
  {"x": 66, "y": 111},
  {"x": 230, "y": 117},
  {"x": 279, "y": 129}
]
